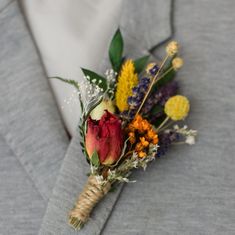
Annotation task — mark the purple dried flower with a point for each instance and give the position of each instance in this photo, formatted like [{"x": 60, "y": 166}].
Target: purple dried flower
[
  {"x": 165, "y": 140},
  {"x": 167, "y": 91},
  {"x": 128, "y": 114},
  {"x": 160, "y": 96},
  {"x": 152, "y": 69},
  {"x": 135, "y": 100}
]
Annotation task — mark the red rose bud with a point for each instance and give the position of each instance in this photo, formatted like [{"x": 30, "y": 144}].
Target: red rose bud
[{"x": 106, "y": 137}]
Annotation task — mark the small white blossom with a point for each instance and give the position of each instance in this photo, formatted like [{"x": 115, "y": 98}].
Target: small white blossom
[
  {"x": 100, "y": 179},
  {"x": 176, "y": 127},
  {"x": 190, "y": 140},
  {"x": 189, "y": 134}
]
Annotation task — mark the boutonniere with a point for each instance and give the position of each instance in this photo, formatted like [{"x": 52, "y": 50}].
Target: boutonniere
[{"x": 128, "y": 119}]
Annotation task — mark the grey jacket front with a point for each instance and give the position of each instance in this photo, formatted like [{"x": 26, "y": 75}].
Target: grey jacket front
[{"x": 190, "y": 191}]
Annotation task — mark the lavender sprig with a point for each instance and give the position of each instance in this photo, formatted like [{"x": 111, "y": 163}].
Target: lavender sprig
[
  {"x": 160, "y": 96},
  {"x": 135, "y": 100},
  {"x": 165, "y": 140}
]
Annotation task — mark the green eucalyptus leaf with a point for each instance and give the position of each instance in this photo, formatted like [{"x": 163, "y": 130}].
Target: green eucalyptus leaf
[
  {"x": 95, "y": 78},
  {"x": 95, "y": 159},
  {"x": 69, "y": 81},
  {"x": 115, "y": 50},
  {"x": 141, "y": 63}
]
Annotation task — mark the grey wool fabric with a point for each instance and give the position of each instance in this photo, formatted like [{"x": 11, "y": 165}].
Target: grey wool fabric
[
  {"x": 33, "y": 141},
  {"x": 189, "y": 191}
]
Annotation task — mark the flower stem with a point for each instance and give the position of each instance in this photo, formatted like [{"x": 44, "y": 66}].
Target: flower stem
[
  {"x": 178, "y": 143},
  {"x": 167, "y": 125},
  {"x": 151, "y": 85},
  {"x": 164, "y": 74},
  {"x": 92, "y": 193},
  {"x": 163, "y": 123}
]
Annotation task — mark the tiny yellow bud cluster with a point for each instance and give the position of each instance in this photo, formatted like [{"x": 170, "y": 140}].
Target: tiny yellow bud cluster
[
  {"x": 177, "y": 63},
  {"x": 172, "y": 48}
]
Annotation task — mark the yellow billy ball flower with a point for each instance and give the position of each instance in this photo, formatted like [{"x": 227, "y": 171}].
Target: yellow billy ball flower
[
  {"x": 177, "y": 63},
  {"x": 177, "y": 107},
  {"x": 172, "y": 48},
  {"x": 127, "y": 80}
]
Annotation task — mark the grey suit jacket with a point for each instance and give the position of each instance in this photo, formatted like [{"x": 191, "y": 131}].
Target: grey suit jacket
[{"x": 191, "y": 191}]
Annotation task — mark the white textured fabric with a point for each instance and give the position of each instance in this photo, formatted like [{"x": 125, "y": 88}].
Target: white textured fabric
[{"x": 69, "y": 35}]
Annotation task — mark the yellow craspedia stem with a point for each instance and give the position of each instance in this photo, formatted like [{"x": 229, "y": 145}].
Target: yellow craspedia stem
[
  {"x": 127, "y": 80},
  {"x": 177, "y": 107}
]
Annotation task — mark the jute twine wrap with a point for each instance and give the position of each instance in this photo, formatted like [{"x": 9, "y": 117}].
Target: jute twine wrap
[{"x": 92, "y": 193}]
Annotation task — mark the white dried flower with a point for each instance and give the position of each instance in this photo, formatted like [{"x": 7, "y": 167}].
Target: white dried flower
[
  {"x": 176, "y": 127},
  {"x": 100, "y": 179},
  {"x": 190, "y": 140}
]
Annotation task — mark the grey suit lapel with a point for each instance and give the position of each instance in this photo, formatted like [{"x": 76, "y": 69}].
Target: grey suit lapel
[
  {"x": 145, "y": 24},
  {"x": 4, "y": 4},
  {"x": 29, "y": 119},
  {"x": 70, "y": 182},
  {"x": 73, "y": 172}
]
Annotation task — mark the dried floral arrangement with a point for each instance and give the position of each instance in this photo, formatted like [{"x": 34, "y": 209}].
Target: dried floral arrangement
[{"x": 127, "y": 120}]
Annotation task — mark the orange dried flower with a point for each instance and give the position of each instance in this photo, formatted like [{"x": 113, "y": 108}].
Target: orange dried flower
[
  {"x": 155, "y": 140},
  {"x": 142, "y": 154},
  {"x": 145, "y": 125},
  {"x": 140, "y": 128},
  {"x": 139, "y": 147},
  {"x": 151, "y": 134},
  {"x": 144, "y": 142},
  {"x": 137, "y": 122},
  {"x": 132, "y": 138}
]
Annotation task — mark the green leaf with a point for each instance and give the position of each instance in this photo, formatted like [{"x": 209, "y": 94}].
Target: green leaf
[
  {"x": 90, "y": 108},
  {"x": 155, "y": 110},
  {"x": 115, "y": 50},
  {"x": 167, "y": 78},
  {"x": 69, "y": 81},
  {"x": 159, "y": 120},
  {"x": 113, "y": 188},
  {"x": 95, "y": 159},
  {"x": 95, "y": 78},
  {"x": 141, "y": 63}
]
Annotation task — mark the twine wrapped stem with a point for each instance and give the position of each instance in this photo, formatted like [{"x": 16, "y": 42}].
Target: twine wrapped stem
[{"x": 92, "y": 193}]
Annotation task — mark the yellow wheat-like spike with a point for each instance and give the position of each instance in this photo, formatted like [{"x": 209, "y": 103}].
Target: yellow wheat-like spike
[{"x": 126, "y": 81}]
